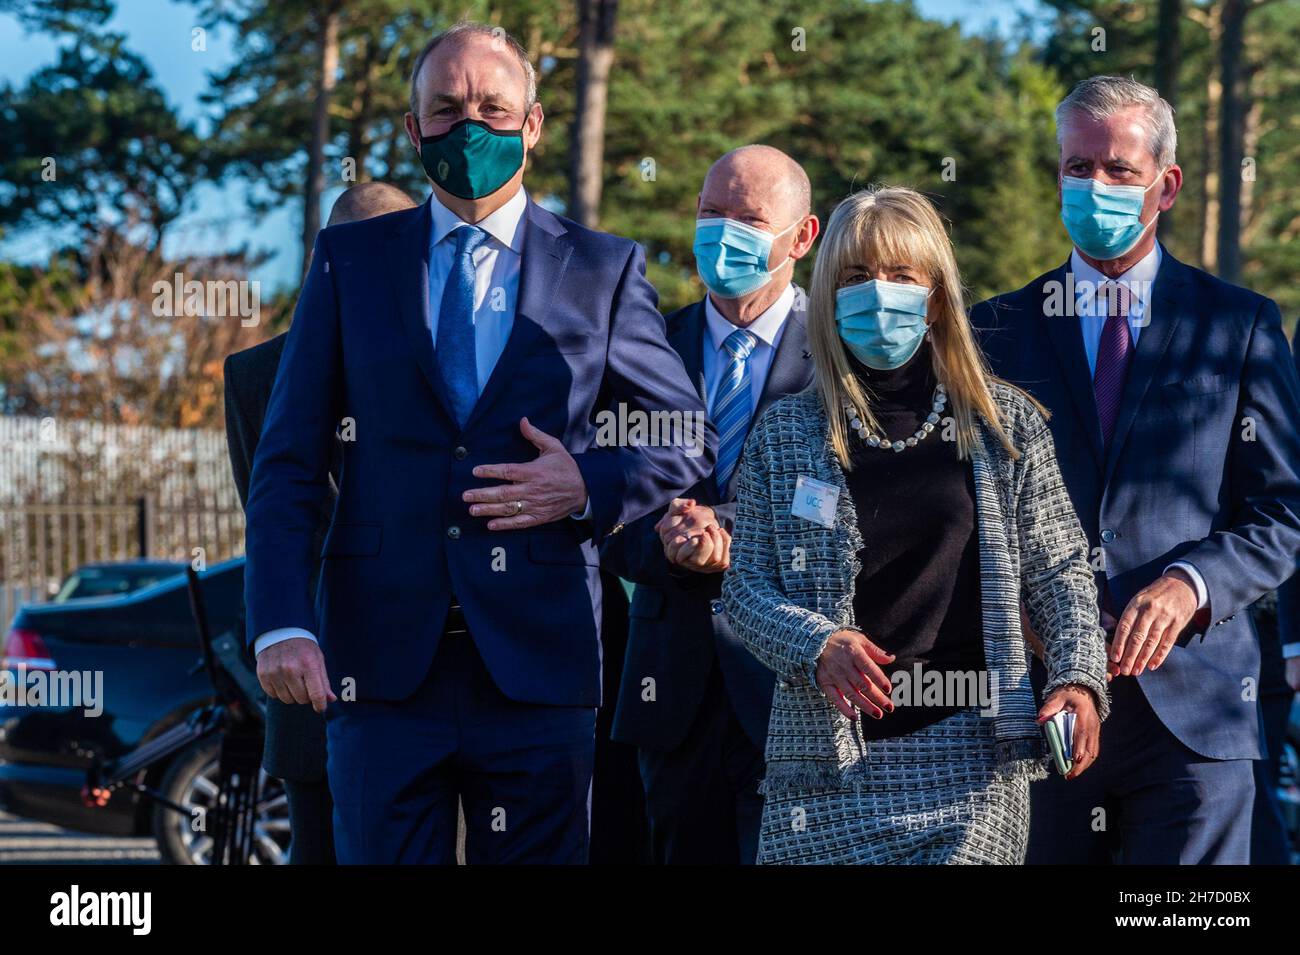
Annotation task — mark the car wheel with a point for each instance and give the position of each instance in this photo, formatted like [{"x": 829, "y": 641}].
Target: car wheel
[{"x": 191, "y": 781}]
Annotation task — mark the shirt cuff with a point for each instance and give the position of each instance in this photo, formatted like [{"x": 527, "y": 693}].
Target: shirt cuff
[
  {"x": 272, "y": 637},
  {"x": 1202, "y": 592},
  {"x": 1290, "y": 651},
  {"x": 586, "y": 511}
]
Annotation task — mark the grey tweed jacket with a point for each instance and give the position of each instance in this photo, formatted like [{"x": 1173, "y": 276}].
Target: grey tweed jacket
[{"x": 791, "y": 584}]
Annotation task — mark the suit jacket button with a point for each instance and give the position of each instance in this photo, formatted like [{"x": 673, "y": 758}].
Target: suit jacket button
[
  {"x": 453, "y": 532},
  {"x": 1107, "y": 536},
  {"x": 461, "y": 454},
  {"x": 716, "y": 607}
]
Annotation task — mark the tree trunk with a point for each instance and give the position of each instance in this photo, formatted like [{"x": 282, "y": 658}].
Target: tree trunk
[
  {"x": 359, "y": 141},
  {"x": 1210, "y": 157},
  {"x": 1232, "y": 125},
  {"x": 596, "y": 20},
  {"x": 1168, "y": 51},
  {"x": 1250, "y": 143},
  {"x": 320, "y": 128}
]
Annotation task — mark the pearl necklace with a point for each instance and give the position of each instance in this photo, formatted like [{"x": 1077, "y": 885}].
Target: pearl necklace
[{"x": 874, "y": 441}]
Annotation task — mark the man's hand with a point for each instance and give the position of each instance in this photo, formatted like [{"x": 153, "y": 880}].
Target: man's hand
[
  {"x": 548, "y": 488},
  {"x": 1087, "y": 724},
  {"x": 1293, "y": 673},
  {"x": 293, "y": 671},
  {"x": 679, "y": 517},
  {"x": 849, "y": 674},
  {"x": 1150, "y": 624},
  {"x": 1031, "y": 635},
  {"x": 708, "y": 552},
  {"x": 692, "y": 537}
]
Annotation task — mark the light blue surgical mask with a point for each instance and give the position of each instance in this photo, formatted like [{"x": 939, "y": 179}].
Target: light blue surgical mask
[
  {"x": 1104, "y": 221},
  {"x": 731, "y": 256},
  {"x": 882, "y": 323}
]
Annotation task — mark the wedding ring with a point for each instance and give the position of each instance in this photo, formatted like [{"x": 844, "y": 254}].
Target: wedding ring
[{"x": 519, "y": 507}]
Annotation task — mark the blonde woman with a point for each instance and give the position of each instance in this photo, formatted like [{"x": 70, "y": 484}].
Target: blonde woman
[{"x": 890, "y": 520}]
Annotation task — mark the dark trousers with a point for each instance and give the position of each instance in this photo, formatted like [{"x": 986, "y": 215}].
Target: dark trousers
[
  {"x": 1148, "y": 800},
  {"x": 311, "y": 824},
  {"x": 522, "y": 771},
  {"x": 702, "y": 797},
  {"x": 1269, "y": 843}
]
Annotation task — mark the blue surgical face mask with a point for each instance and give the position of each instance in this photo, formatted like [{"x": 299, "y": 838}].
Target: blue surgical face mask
[
  {"x": 1104, "y": 221},
  {"x": 882, "y": 323},
  {"x": 731, "y": 257}
]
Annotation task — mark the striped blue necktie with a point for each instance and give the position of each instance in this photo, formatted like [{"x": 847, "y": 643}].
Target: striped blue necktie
[
  {"x": 455, "y": 342},
  {"x": 733, "y": 405}
]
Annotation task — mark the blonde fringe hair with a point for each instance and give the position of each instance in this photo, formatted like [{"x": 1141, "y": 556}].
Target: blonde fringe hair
[{"x": 893, "y": 225}]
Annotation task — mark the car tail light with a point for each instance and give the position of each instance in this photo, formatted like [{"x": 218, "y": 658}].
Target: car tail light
[{"x": 25, "y": 648}]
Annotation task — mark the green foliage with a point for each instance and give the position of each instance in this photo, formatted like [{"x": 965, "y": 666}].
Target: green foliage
[
  {"x": 691, "y": 82},
  {"x": 859, "y": 92},
  {"x": 92, "y": 142},
  {"x": 1271, "y": 200},
  {"x": 1272, "y": 227}
]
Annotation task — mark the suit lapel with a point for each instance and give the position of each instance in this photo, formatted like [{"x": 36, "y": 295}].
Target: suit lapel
[
  {"x": 1163, "y": 314},
  {"x": 689, "y": 339},
  {"x": 1066, "y": 336},
  {"x": 546, "y": 252},
  {"x": 791, "y": 369},
  {"x": 408, "y": 262}
]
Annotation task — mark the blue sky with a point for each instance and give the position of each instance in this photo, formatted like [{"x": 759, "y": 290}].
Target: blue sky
[{"x": 160, "y": 31}]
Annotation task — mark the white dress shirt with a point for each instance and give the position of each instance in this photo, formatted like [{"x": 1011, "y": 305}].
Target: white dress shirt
[
  {"x": 767, "y": 328},
  {"x": 1092, "y": 308},
  {"x": 496, "y": 292}
]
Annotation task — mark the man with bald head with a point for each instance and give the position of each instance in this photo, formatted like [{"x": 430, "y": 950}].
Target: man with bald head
[
  {"x": 464, "y": 351},
  {"x": 693, "y": 700}
]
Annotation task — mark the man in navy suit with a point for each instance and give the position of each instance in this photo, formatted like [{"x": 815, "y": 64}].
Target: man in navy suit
[
  {"x": 1279, "y": 685},
  {"x": 469, "y": 354},
  {"x": 694, "y": 700},
  {"x": 294, "y": 751},
  {"x": 1174, "y": 415}
]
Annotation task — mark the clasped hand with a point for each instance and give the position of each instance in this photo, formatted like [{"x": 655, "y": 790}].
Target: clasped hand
[{"x": 692, "y": 537}]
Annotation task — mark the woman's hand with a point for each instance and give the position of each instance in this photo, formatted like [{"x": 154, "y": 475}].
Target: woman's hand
[
  {"x": 849, "y": 674},
  {"x": 1087, "y": 724},
  {"x": 692, "y": 538}
]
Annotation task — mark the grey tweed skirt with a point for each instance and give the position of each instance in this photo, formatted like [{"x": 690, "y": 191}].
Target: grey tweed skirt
[{"x": 933, "y": 797}]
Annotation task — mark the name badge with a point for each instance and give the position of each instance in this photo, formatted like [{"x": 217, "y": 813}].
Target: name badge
[{"x": 815, "y": 501}]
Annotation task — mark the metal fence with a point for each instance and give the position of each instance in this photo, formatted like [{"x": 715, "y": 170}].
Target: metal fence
[{"x": 75, "y": 492}]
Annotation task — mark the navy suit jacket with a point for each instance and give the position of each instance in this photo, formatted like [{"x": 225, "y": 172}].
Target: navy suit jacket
[
  {"x": 587, "y": 336},
  {"x": 1204, "y": 466},
  {"x": 677, "y": 628},
  {"x": 295, "y": 735},
  {"x": 1288, "y": 595}
]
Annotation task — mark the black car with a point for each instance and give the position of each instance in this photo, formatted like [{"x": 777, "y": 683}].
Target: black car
[{"x": 145, "y": 647}]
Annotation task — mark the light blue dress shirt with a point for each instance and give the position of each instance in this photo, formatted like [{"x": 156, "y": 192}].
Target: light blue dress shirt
[
  {"x": 1092, "y": 309},
  {"x": 767, "y": 328}
]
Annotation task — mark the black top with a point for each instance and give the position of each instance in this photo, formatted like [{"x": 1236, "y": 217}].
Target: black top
[{"x": 918, "y": 592}]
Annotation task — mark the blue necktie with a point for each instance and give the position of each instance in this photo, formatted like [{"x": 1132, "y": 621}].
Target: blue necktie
[
  {"x": 455, "y": 342},
  {"x": 733, "y": 405}
]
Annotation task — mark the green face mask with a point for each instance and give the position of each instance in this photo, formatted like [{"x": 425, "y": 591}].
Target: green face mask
[{"x": 471, "y": 159}]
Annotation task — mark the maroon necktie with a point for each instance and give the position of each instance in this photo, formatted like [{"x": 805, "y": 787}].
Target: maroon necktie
[{"x": 1114, "y": 353}]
